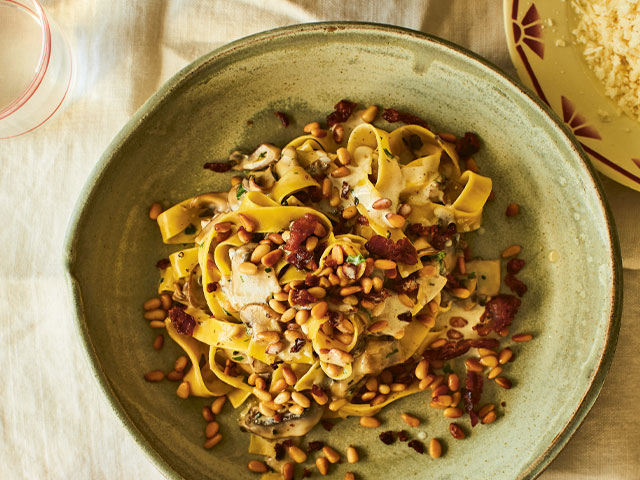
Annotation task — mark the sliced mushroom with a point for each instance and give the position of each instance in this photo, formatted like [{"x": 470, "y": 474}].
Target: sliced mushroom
[
  {"x": 243, "y": 289},
  {"x": 251, "y": 420},
  {"x": 260, "y": 318},
  {"x": 215, "y": 201},
  {"x": 262, "y": 157},
  {"x": 192, "y": 290}
]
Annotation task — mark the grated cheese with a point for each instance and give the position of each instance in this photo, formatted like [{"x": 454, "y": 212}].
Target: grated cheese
[{"x": 610, "y": 33}]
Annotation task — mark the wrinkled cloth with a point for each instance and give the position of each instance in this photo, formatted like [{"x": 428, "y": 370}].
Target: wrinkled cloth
[{"x": 54, "y": 420}]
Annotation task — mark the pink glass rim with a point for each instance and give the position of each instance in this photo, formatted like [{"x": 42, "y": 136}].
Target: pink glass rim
[{"x": 42, "y": 65}]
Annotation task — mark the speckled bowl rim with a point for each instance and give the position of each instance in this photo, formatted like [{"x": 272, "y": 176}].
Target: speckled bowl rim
[{"x": 597, "y": 379}]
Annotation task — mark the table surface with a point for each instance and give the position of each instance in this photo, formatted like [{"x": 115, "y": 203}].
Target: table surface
[{"x": 54, "y": 421}]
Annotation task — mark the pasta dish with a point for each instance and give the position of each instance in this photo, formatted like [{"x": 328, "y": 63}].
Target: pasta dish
[{"x": 333, "y": 279}]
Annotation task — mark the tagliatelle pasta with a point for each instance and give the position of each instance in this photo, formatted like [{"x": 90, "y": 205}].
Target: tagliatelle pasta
[{"x": 316, "y": 286}]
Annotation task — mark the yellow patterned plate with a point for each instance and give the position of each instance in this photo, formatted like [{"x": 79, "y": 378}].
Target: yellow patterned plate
[{"x": 550, "y": 62}]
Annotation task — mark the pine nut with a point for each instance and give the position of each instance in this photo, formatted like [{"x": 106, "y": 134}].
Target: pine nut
[
  {"x": 289, "y": 375},
  {"x": 155, "y": 211},
  {"x": 301, "y": 399},
  {"x": 274, "y": 348},
  {"x": 461, "y": 293},
  {"x": 288, "y": 315},
  {"x": 405, "y": 210},
  {"x": 505, "y": 355},
  {"x": 421, "y": 369},
  {"x": 405, "y": 300},
  {"x": 336, "y": 405},
  {"x": 174, "y": 376},
  {"x": 257, "y": 467},
  {"x": 181, "y": 363},
  {"x": 394, "y": 220},
  {"x": 456, "y": 432},
  {"x": 207, "y": 414},
  {"x": 156, "y": 324},
  {"x": 377, "y": 283},
  {"x": 338, "y": 133},
  {"x": 266, "y": 410},
  {"x": 297, "y": 455},
  {"x": 319, "y": 310},
  {"x": 378, "y": 326},
  {"x": 260, "y": 383},
  {"x": 349, "y": 476},
  {"x": 489, "y": 361},
  {"x": 448, "y": 137},
  {"x": 352, "y": 454},
  {"x": 486, "y": 409},
  {"x": 384, "y": 389},
  {"x": 218, "y": 403},
  {"x": 368, "y": 396},
  {"x": 183, "y": 390},
  {"x": 319, "y": 396},
  {"x": 452, "y": 412},
  {"x": 154, "y": 376},
  {"x": 259, "y": 252},
  {"x": 317, "y": 292},
  {"x": 386, "y": 377},
  {"x": 158, "y": 342},
  {"x": 323, "y": 465},
  {"x": 213, "y": 441},
  {"x": 248, "y": 268},
  {"x": 292, "y": 335},
  {"x": 522, "y": 337},
  {"x": 453, "y": 381},
  {"x": 341, "y": 172},
  {"x": 296, "y": 409},
  {"x": 302, "y": 317},
  {"x": 398, "y": 387},
  {"x": 287, "y": 471},
  {"x": 489, "y": 417},
  {"x": 349, "y": 212},
  {"x": 473, "y": 365},
  {"x": 381, "y": 204},
  {"x": 512, "y": 210},
  {"x": 511, "y": 251},
  {"x": 157, "y": 314},
  {"x": 310, "y": 126},
  {"x": 435, "y": 449},
  {"x": 244, "y": 236},
  {"x": 318, "y": 132},
  {"x": 370, "y": 114},
  {"x": 211, "y": 429},
  {"x": 166, "y": 300},
  {"x": 279, "y": 307},
  {"x": 384, "y": 264},
  {"x": 503, "y": 382},
  {"x": 344, "y": 157},
  {"x": 222, "y": 227},
  {"x": 334, "y": 370},
  {"x": 152, "y": 304},
  {"x": 410, "y": 420},
  {"x": 495, "y": 371},
  {"x": 326, "y": 188},
  {"x": 261, "y": 395},
  {"x": 271, "y": 258},
  {"x": 331, "y": 454},
  {"x": 278, "y": 386},
  {"x": 369, "y": 422}
]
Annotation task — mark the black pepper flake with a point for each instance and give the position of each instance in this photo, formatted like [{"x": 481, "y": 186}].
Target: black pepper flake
[
  {"x": 327, "y": 425},
  {"x": 388, "y": 437},
  {"x": 287, "y": 443},
  {"x": 306, "y": 473},
  {"x": 314, "y": 445},
  {"x": 403, "y": 436},
  {"x": 283, "y": 118},
  {"x": 405, "y": 317},
  {"x": 212, "y": 287},
  {"x": 417, "y": 445},
  {"x": 275, "y": 364}
]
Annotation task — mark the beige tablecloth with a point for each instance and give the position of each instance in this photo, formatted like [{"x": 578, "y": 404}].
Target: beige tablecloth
[{"x": 54, "y": 422}]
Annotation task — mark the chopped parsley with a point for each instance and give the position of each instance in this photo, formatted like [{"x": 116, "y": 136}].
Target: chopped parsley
[
  {"x": 268, "y": 269},
  {"x": 190, "y": 230},
  {"x": 226, "y": 313},
  {"x": 262, "y": 155},
  {"x": 388, "y": 153},
  {"x": 471, "y": 275},
  {"x": 239, "y": 358},
  {"x": 447, "y": 369},
  {"x": 392, "y": 353},
  {"x": 240, "y": 191},
  {"x": 356, "y": 202},
  {"x": 356, "y": 259},
  {"x": 483, "y": 277}
]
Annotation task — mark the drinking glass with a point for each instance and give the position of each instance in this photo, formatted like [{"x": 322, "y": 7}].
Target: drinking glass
[{"x": 35, "y": 67}]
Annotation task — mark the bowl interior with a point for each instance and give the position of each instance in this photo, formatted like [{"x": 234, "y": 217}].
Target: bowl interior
[{"x": 225, "y": 101}]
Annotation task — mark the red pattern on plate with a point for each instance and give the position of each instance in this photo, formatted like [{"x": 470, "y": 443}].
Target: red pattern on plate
[
  {"x": 636, "y": 161},
  {"x": 576, "y": 121},
  {"x": 529, "y": 29}
]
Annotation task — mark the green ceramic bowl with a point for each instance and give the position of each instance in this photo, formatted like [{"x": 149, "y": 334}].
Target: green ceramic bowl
[{"x": 226, "y": 100}]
